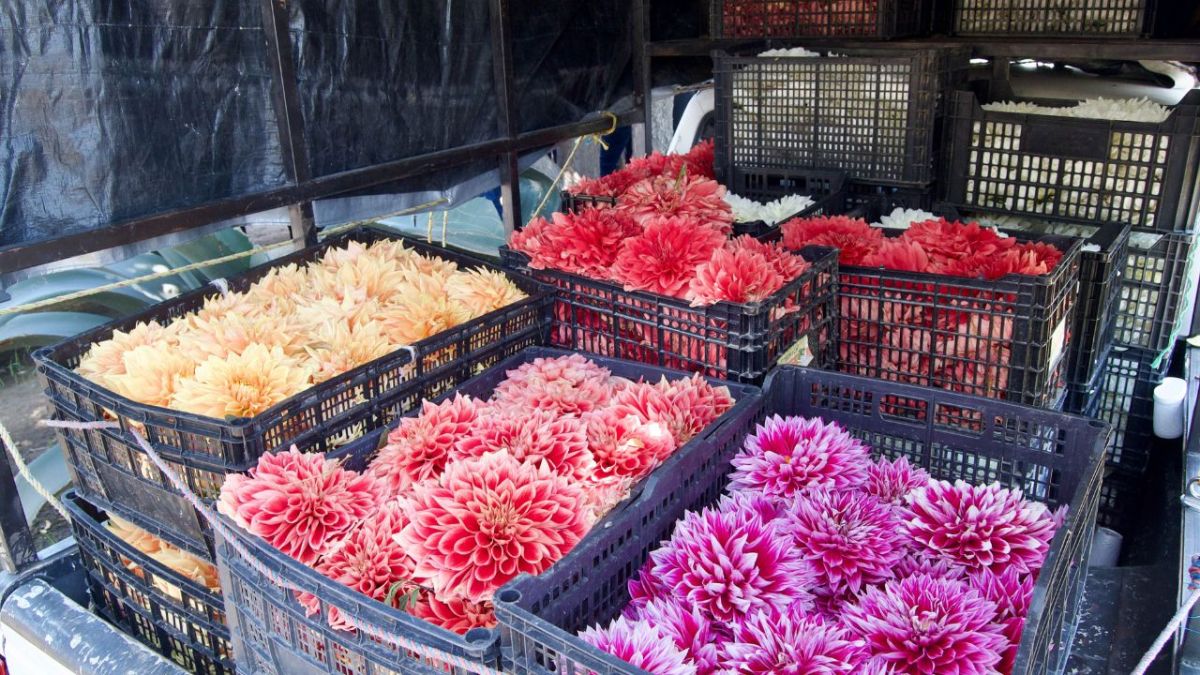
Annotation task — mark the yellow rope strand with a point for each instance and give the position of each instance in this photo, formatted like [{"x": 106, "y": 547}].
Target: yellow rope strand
[{"x": 23, "y": 469}]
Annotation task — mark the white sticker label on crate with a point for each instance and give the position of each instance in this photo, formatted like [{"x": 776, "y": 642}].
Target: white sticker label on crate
[
  {"x": 1057, "y": 340},
  {"x": 798, "y": 354}
]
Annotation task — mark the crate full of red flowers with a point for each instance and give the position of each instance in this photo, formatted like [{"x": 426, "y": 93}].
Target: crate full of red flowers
[
  {"x": 950, "y": 305},
  {"x": 662, "y": 281}
]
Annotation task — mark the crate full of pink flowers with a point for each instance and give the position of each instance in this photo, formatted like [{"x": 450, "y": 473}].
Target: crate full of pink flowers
[
  {"x": 951, "y": 305},
  {"x": 385, "y": 559},
  {"x": 313, "y": 349},
  {"x": 840, "y": 514},
  {"x": 662, "y": 281}
]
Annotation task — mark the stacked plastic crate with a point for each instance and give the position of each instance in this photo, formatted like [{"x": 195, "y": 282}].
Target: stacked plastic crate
[{"x": 1100, "y": 173}]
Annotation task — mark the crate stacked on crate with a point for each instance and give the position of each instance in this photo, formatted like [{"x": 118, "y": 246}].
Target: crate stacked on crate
[
  {"x": 274, "y": 632},
  {"x": 1102, "y": 267},
  {"x": 1052, "y": 457},
  {"x": 1067, "y": 19},
  {"x": 1123, "y": 397},
  {"x": 166, "y": 598},
  {"x": 838, "y": 18},
  {"x": 111, "y": 470},
  {"x": 1005, "y": 337},
  {"x": 871, "y": 111}
]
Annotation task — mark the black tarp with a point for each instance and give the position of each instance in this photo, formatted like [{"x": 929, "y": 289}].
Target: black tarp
[{"x": 112, "y": 110}]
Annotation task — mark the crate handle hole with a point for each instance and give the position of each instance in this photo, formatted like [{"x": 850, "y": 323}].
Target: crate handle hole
[{"x": 509, "y": 595}]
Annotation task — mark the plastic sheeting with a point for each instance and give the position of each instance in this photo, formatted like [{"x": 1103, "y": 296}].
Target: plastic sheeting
[{"x": 112, "y": 110}]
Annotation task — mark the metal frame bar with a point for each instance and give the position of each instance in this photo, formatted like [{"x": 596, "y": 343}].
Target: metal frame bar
[{"x": 506, "y": 108}]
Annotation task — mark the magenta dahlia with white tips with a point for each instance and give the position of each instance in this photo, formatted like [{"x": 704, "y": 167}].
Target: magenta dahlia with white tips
[
  {"x": 640, "y": 644},
  {"x": 788, "y": 454},
  {"x": 892, "y": 480},
  {"x": 791, "y": 645},
  {"x": 729, "y": 567},
  {"x": 748, "y": 505},
  {"x": 851, "y": 539},
  {"x": 688, "y": 628},
  {"x": 983, "y": 526},
  {"x": 928, "y": 626}
]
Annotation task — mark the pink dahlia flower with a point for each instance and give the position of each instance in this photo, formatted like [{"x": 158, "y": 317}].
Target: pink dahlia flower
[
  {"x": 890, "y": 481},
  {"x": 664, "y": 257},
  {"x": 299, "y": 503},
  {"x": 455, "y": 615},
  {"x": 601, "y": 495},
  {"x": 1012, "y": 592},
  {"x": 751, "y": 506},
  {"x": 787, "y": 264},
  {"x": 418, "y": 448},
  {"x": 624, "y": 444},
  {"x": 697, "y": 404},
  {"x": 369, "y": 560},
  {"x": 694, "y": 197},
  {"x": 790, "y": 645},
  {"x": 927, "y": 625},
  {"x": 787, "y": 455},
  {"x": 488, "y": 519},
  {"x": 531, "y": 436},
  {"x": 851, "y": 539},
  {"x": 980, "y": 526},
  {"x": 690, "y": 630},
  {"x": 740, "y": 276},
  {"x": 924, "y": 562},
  {"x": 853, "y": 237},
  {"x": 641, "y": 645},
  {"x": 730, "y": 567},
  {"x": 645, "y": 587},
  {"x": 566, "y": 385}
]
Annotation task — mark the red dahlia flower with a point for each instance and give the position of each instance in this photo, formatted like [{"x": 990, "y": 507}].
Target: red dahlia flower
[
  {"x": 663, "y": 258},
  {"x": 369, "y": 560},
  {"x": 693, "y": 197},
  {"x": 928, "y": 626},
  {"x": 852, "y": 236},
  {"x": 980, "y": 526},
  {"x": 531, "y": 436},
  {"x": 582, "y": 243},
  {"x": 566, "y": 385},
  {"x": 787, "y": 264},
  {"x": 454, "y": 614},
  {"x": 486, "y": 520},
  {"x": 740, "y": 276},
  {"x": 418, "y": 448},
  {"x": 299, "y": 503},
  {"x": 623, "y": 444}
]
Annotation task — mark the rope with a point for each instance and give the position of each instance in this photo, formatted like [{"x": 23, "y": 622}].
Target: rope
[
  {"x": 95, "y": 290},
  {"x": 1172, "y": 626},
  {"x": 23, "y": 469},
  {"x": 231, "y": 538},
  {"x": 566, "y": 166}
]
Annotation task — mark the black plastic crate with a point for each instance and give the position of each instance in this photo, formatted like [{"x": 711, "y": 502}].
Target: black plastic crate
[
  {"x": 738, "y": 342},
  {"x": 774, "y": 19},
  {"x": 871, "y": 112},
  {"x": 1066, "y": 168},
  {"x": 173, "y": 615},
  {"x": 272, "y": 633},
  {"x": 1154, "y": 291},
  {"x": 112, "y": 471},
  {"x": 1052, "y": 457},
  {"x": 826, "y": 188},
  {"x": 1102, "y": 262},
  {"x": 1078, "y": 18},
  {"x": 953, "y": 331},
  {"x": 1124, "y": 398}
]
